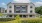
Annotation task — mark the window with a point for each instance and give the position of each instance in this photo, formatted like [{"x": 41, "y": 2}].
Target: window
[
  {"x": 23, "y": 7},
  {"x": 10, "y": 11},
  {"x": 17, "y": 7},
  {"x": 30, "y": 15},
  {"x": 18, "y": 11},
  {"x": 30, "y": 11},
  {"x": 10, "y": 15},
  {"x": 10, "y": 6},
  {"x": 23, "y": 11},
  {"x": 30, "y": 6}
]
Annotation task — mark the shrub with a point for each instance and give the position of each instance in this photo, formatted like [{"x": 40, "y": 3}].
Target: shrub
[
  {"x": 29, "y": 21},
  {"x": 6, "y": 19},
  {"x": 17, "y": 19},
  {"x": 40, "y": 16}
]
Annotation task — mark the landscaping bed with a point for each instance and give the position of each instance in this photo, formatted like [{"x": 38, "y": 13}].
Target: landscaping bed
[
  {"x": 6, "y": 19},
  {"x": 28, "y": 20}
]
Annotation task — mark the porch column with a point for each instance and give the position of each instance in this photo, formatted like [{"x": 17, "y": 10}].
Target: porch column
[
  {"x": 12, "y": 16},
  {"x": 26, "y": 16},
  {"x": 22, "y": 16}
]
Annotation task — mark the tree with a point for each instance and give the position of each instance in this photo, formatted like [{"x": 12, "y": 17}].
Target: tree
[
  {"x": 17, "y": 19},
  {"x": 38, "y": 10}
]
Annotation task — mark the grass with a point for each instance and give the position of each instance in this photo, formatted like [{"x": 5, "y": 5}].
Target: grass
[{"x": 29, "y": 19}]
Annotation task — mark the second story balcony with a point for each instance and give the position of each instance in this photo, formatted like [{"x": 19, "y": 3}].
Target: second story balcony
[{"x": 20, "y": 9}]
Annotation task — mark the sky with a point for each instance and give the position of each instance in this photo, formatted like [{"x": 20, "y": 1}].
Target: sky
[{"x": 3, "y": 3}]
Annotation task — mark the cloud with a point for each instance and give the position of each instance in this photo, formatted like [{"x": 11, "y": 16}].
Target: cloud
[
  {"x": 21, "y": 1},
  {"x": 37, "y": 4},
  {"x": 40, "y": 0},
  {"x": 3, "y": 4}
]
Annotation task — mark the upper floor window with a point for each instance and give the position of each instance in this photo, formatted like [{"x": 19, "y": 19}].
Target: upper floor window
[
  {"x": 10, "y": 6},
  {"x": 24, "y": 7},
  {"x": 18, "y": 11},
  {"x": 23, "y": 11},
  {"x": 10, "y": 11},
  {"x": 30, "y": 6},
  {"x": 16, "y": 7},
  {"x": 20, "y": 8}
]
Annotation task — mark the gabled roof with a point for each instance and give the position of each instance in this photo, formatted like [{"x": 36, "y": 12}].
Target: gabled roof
[{"x": 20, "y": 3}]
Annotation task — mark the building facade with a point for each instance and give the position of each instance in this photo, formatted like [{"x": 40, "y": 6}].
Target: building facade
[
  {"x": 2, "y": 10},
  {"x": 24, "y": 10}
]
